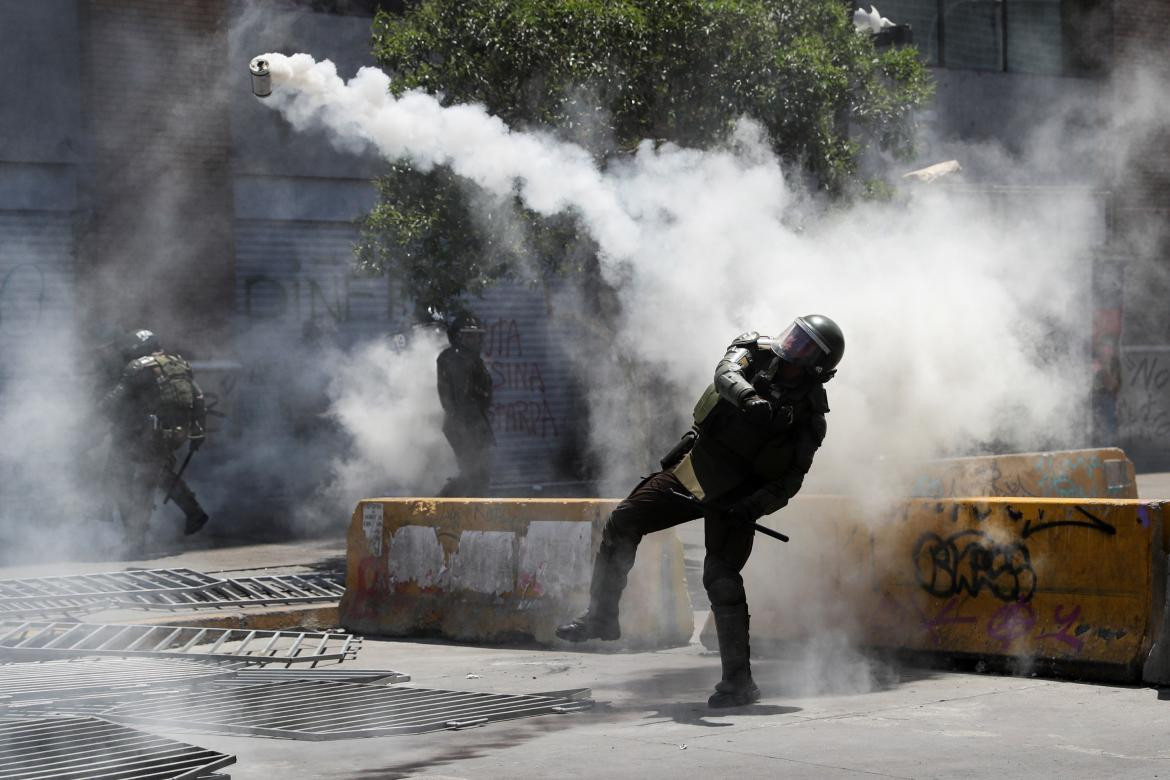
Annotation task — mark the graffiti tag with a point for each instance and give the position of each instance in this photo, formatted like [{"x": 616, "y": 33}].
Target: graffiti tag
[
  {"x": 971, "y": 562},
  {"x": 1091, "y": 522}
]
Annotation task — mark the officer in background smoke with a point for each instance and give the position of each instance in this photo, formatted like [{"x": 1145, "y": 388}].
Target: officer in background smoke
[
  {"x": 154, "y": 409},
  {"x": 756, "y": 429},
  {"x": 465, "y": 391}
]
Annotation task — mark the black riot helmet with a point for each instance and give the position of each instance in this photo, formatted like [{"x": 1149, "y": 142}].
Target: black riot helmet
[
  {"x": 465, "y": 330},
  {"x": 139, "y": 344},
  {"x": 813, "y": 342}
]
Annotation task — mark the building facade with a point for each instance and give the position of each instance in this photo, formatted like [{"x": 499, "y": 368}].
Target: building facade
[{"x": 141, "y": 183}]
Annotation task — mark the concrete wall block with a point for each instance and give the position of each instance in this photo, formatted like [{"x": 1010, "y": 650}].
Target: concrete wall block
[
  {"x": 1090, "y": 473},
  {"x": 1077, "y": 583},
  {"x": 501, "y": 570}
]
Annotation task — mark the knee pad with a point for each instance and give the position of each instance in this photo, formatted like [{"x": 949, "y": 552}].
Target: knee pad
[{"x": 726, "y": 591}]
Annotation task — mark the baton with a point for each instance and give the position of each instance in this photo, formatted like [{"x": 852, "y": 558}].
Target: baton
[
  {"x": 769, "y": 532},
  {"x": 178, "y": 476},
  {"x": 762, "y": 529}
]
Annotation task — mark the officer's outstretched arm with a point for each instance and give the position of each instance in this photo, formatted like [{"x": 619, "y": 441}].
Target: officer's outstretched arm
[
  {"x": 130, "y": 376},
  {"x": 111, "y": 399},
  {"x": 730, "y": 381},
  {"x": 775, "y": 495}
]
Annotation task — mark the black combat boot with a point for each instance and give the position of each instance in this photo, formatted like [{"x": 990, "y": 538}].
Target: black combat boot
[
  {"x": 605, "y": 591},
  {"x": 194, "y": 523},
  {"x": 737, "y": 688},
  {"x": 196, "y": 518},
  {"x": 590, "y": 626}
]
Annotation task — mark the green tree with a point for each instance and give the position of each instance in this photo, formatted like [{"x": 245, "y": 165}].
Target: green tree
[{"x": 677, "y": 70}]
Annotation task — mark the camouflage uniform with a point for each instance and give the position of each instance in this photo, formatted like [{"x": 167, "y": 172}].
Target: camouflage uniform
[{"x": 155, "y": 408}]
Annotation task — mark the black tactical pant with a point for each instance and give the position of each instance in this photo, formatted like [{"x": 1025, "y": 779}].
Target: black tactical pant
[
  {"x": 472, "y": 444},
  {"x": 132, "y": 486},
  {"x": 659, "y": 502}
]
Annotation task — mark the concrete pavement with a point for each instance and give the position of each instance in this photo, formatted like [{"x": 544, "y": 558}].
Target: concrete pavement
[{"x": 826, "y": 713}]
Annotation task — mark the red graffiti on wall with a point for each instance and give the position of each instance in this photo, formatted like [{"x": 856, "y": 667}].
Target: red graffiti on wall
[{"x": 522, "y": 407}]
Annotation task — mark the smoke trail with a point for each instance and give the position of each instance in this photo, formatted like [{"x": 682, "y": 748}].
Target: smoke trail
[
  {"x": 550, "y": 177},
  {"x": 955, "y": 309}
]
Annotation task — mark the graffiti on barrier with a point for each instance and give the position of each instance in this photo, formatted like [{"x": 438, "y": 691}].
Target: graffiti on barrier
[
  {"x": 970, "y": 562},
  {"x": 959, "y": 571},
  {"x": 1011, "y": 622},
  {"x": 1065, "y": 622},
  {"x": 1063, "y": 475},
  {"x": 1084, "y": 519}
]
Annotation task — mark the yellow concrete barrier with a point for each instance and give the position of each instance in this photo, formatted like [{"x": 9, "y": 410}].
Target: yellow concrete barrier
[
  {"x": 500, "y": 570},
  {"x": 1079, "y": 583},
  {"x": 1094, "y": 473}
]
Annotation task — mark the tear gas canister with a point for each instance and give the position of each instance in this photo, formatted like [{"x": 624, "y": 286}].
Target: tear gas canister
[{"x": 261, "y": 77}]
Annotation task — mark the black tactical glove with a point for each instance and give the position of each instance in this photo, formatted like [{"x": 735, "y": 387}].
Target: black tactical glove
[
  {"x": 758, "y": 410},
  {"x": 738, "y": 514}
]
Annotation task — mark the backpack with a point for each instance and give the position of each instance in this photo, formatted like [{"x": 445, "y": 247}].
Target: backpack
[{"x": 176, "y": 391}]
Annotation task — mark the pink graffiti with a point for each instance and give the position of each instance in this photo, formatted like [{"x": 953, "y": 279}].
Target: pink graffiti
[
  {"x": 529, "y": 418},
  {"x": 943, "y": 618},
  {"x": 946, "y": 616},
  {"x": 503, "y": 340},
  {"x": 529, "y": 587},
  {"x": 1010, "y": 622},
  {"x": 1065, "y": 622}
]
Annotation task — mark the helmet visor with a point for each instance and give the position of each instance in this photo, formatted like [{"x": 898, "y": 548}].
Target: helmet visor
[{"x": 799, "y": 345}]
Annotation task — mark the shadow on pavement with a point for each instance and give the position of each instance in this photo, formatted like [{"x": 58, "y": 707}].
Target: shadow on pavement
[
  {"x": 697, "y": 713},
  {"x": 681, "y": 694},
  {"x": 444, "y": 753}
]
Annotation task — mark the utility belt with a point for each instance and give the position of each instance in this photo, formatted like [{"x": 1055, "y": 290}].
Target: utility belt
[{"x": 165, "y": 434}]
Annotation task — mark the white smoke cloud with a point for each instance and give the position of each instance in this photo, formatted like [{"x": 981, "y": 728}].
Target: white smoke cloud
[
  {"x": 52, "y": 455},
  {"x": 384, "y": 399},
  {"x": 947, "y": 302},
  {"x": 327, "y": 425}
]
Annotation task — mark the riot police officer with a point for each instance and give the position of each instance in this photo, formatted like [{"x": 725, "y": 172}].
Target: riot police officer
[
  {"x": 756, "y": 430},
  {"x": 465, "y": 392},
  {"x": 155, "y": 408}
]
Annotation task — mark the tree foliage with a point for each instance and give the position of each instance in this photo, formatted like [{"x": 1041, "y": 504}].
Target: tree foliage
[{"x": 609, "y": 73}]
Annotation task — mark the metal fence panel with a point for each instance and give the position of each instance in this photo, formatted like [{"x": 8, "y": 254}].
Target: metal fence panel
[
  {"x": 321, "y": 710},
  {"x": 86, "y": 748},
  {"x": 45, "y": 640}
]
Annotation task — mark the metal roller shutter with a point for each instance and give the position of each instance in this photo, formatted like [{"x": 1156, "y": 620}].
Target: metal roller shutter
[
  {"x": 289, "y": 272},
  {"x": 293, "y": 272},
  {"x": 36, "y": 274},
  {"x": 533, "y": 399}
]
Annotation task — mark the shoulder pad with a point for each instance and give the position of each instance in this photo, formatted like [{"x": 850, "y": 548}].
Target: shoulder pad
[
  {"x": 746, "y": 339},
  {"x": 819, "y": 400}
]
